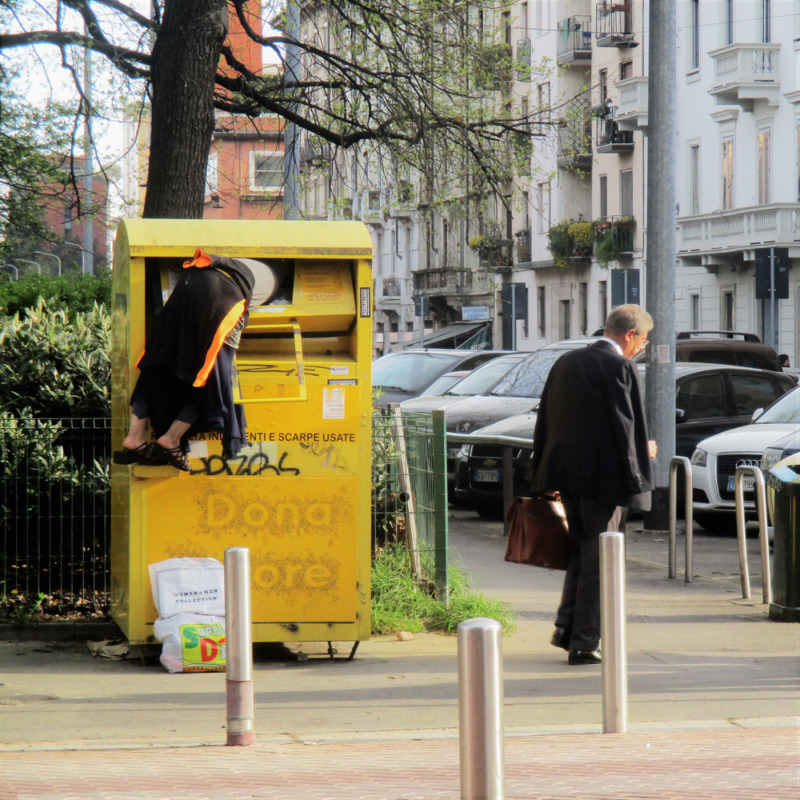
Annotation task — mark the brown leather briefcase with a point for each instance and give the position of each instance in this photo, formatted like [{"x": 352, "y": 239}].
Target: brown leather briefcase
[{"x": 537, "y": 532}]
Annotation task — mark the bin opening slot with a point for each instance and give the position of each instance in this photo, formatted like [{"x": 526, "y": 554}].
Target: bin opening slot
[{"x": 294, "y": 328}]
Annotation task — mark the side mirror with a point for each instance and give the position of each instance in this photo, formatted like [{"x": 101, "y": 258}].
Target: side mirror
[
  {"x": 680, "y": 415},
  {"x": 756, "y": 414}
]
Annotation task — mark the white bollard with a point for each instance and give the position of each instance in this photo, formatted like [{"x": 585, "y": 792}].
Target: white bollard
[
  {"x": 480, "y": 709},
  {"x": 239, "y": 647},
  {"x": 612, "y": 621}
]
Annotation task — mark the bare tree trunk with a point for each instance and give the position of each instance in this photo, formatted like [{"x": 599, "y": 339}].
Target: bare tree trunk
[{"x": 185, "y": 57}]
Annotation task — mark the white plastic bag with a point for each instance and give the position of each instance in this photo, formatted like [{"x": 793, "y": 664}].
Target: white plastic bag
[
  {"x": 188, "y": 586},
  {"x": 192, "y": 642}
]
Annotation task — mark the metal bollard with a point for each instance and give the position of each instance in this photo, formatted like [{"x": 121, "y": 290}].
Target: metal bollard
[
  {"x": 673, "y": 515},
  {"x": 763, "y": 531},
  {"x": 480, "y": 709},
  {"x": 612, "y": 621},
  {"x": 239, "y": 647}
]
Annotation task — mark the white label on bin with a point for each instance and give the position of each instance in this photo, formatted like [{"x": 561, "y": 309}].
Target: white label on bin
[
  {"x": 333, "y": 402},
  {"x": 198, "y": 449},
  {"x": 340, "y": 370}
]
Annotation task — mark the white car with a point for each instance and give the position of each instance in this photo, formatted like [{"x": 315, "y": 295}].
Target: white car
[{"x": 715, "y": 460}]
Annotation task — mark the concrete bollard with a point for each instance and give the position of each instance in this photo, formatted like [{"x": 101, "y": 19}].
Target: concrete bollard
[
  {"x": 239, "y": 647},
  {"x": 480, "y": 709},
  {"x": 612, "y": 620}
]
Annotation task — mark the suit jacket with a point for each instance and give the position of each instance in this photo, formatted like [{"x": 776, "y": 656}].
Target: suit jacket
[{"x": 590, "y": 437}]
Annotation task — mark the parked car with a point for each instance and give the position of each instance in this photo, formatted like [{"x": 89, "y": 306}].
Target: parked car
[
  {"x": 783, "y": 448},
  {"x": 715, "y": 460},
  {"x": 479, "y": 381},
  {"x": 709, "y": 398},
  {"x": 517, "y": 392},
  {"x": 723, "y": 347},
  {"x": 401, "y": 376},
  {"x": 444, "y": 382}
]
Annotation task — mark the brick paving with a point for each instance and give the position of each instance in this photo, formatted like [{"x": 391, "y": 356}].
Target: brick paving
[{"x": 726, "y": 764}]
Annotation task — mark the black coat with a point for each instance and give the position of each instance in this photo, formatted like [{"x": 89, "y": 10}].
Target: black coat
[
  {"x": 210, "y": 298},
  {"x": 590, "y": 437}
]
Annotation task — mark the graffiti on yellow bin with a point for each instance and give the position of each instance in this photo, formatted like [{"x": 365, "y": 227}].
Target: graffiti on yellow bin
[{"x": 203, "y": 647}]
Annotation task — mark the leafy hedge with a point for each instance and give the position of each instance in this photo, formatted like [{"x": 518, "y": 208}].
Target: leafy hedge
[
  {"x": 73, "y": 293},
  {"x": 56, "y": 364}
]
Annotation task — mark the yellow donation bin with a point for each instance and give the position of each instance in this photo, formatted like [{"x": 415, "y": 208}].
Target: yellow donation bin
[{"x": 298, "y": 494}]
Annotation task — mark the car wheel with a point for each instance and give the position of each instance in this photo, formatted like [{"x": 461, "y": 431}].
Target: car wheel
[{"x": 716, "y": 523}]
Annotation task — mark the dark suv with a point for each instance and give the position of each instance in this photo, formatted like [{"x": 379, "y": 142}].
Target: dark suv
[
  {"x": 724, "y": 347},
  {"x": 709, "y": 398}
]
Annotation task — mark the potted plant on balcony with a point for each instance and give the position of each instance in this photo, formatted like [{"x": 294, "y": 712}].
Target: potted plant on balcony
[
  {"x": 523, "y": 238},
  {"x": 491, "y": 246},
  {"x": 582, "y": 236},
  {"x": 559, "y": 243}
]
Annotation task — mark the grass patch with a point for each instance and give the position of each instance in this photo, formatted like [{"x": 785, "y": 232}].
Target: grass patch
[{"x": 400, "y": 602}]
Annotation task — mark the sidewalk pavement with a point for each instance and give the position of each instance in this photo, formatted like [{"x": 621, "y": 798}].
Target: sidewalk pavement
[{"x": 714, "y": 704}]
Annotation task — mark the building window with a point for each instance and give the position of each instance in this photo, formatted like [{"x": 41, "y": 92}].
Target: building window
[
  {"x": 266, "y": 171},
  {"x": 543, "y": 198},
  {"x": 728, "y": 21},
  {"x": 212, "y": 177},
  {"x": 763, "y": 167},
  {"x": 602, "y": 300},
  {"x": 727, "y": 173},
  {"x": 602, "y": 80},
  {"x": 766, "y": 21},
  {"x": 727, "y": 311},
  {"x": 565, "y": 321},
  {"x": 626, "y": 192},
  {"x": 694, "y": 178},
  {"x": 583, "y": 308},
  {"x": 625, "y": 70},
  {"x": 603, "y": 190},
  {"x": 694, "y": 311},
  {"x": 695, "y": 34},
  {"x": 543, "y": 110},
  {"x": 541, "y": 311},
  {"x": 374, "y": 200}
]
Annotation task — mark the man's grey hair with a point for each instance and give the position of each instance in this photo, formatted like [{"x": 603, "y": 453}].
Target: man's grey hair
[{"x": 628, "y": 317}]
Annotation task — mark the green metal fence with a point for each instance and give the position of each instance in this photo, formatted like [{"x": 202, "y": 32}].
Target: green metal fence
[
  {"x": 410, "y": 489},
  {"x": 54, "y": 512},
  {"x": 55, "y": 505}
]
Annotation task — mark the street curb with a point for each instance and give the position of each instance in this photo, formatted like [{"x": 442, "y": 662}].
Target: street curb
[{"x": 59, "y": 631}]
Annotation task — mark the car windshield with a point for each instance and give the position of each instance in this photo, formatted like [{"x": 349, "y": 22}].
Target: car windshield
[
  {"x": 484, "y": 377},
  {"x": 785, "y": 409},
  {"x": 411, "y": 372},
  {"x": 528, "y": 377}
]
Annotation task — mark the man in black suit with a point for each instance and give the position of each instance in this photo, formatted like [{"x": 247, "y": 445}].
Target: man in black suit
[{"x": 590, "y": 444}]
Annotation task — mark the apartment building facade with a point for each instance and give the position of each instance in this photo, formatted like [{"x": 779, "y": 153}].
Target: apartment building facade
[{"x": 738, "y": 170}]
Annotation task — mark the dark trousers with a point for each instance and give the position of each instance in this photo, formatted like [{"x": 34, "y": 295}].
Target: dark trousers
[{"x": 579, "y": 610}]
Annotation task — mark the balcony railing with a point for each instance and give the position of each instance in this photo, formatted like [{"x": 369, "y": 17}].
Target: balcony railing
[
  {"x": 575, "y": 135},
  {"x": 610, "y": 139},
  {"x": 633, "y": 98},
  {"x": 702, "y": 238},
  {"x": 575, "y": 41},
  {"x": 440, "y": 282},
  {"x": 613, "y": 25},
  {"x": 746, "y": 73}
]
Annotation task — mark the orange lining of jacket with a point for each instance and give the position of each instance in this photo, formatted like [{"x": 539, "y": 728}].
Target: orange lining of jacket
[{"x": 225, "y": 327}]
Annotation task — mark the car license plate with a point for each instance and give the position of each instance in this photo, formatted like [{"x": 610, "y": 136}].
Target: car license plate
[
  {"x": 486, "y": 476},
  {"x": 748, "y": 483}
]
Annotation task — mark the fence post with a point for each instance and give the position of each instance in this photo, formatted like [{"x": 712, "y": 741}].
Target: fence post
[
  {"x": 480, "y": 709},
  {"x": 239, "y": 647},
  {"x": 508, "y": 483},
  {"x": 405, "y": 486},
  {"x": 440, "y": 523},
  {"x": 612, "y": 621}
]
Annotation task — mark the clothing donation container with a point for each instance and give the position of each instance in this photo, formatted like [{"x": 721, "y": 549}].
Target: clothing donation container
[{"x": 298, "y": 493}]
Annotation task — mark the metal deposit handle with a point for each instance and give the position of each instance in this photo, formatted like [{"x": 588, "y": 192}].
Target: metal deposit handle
[
  {"x": 673, "y": 515},
  {"x": 761, "y": 506},
  {"x": 302, "y": 393}
]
